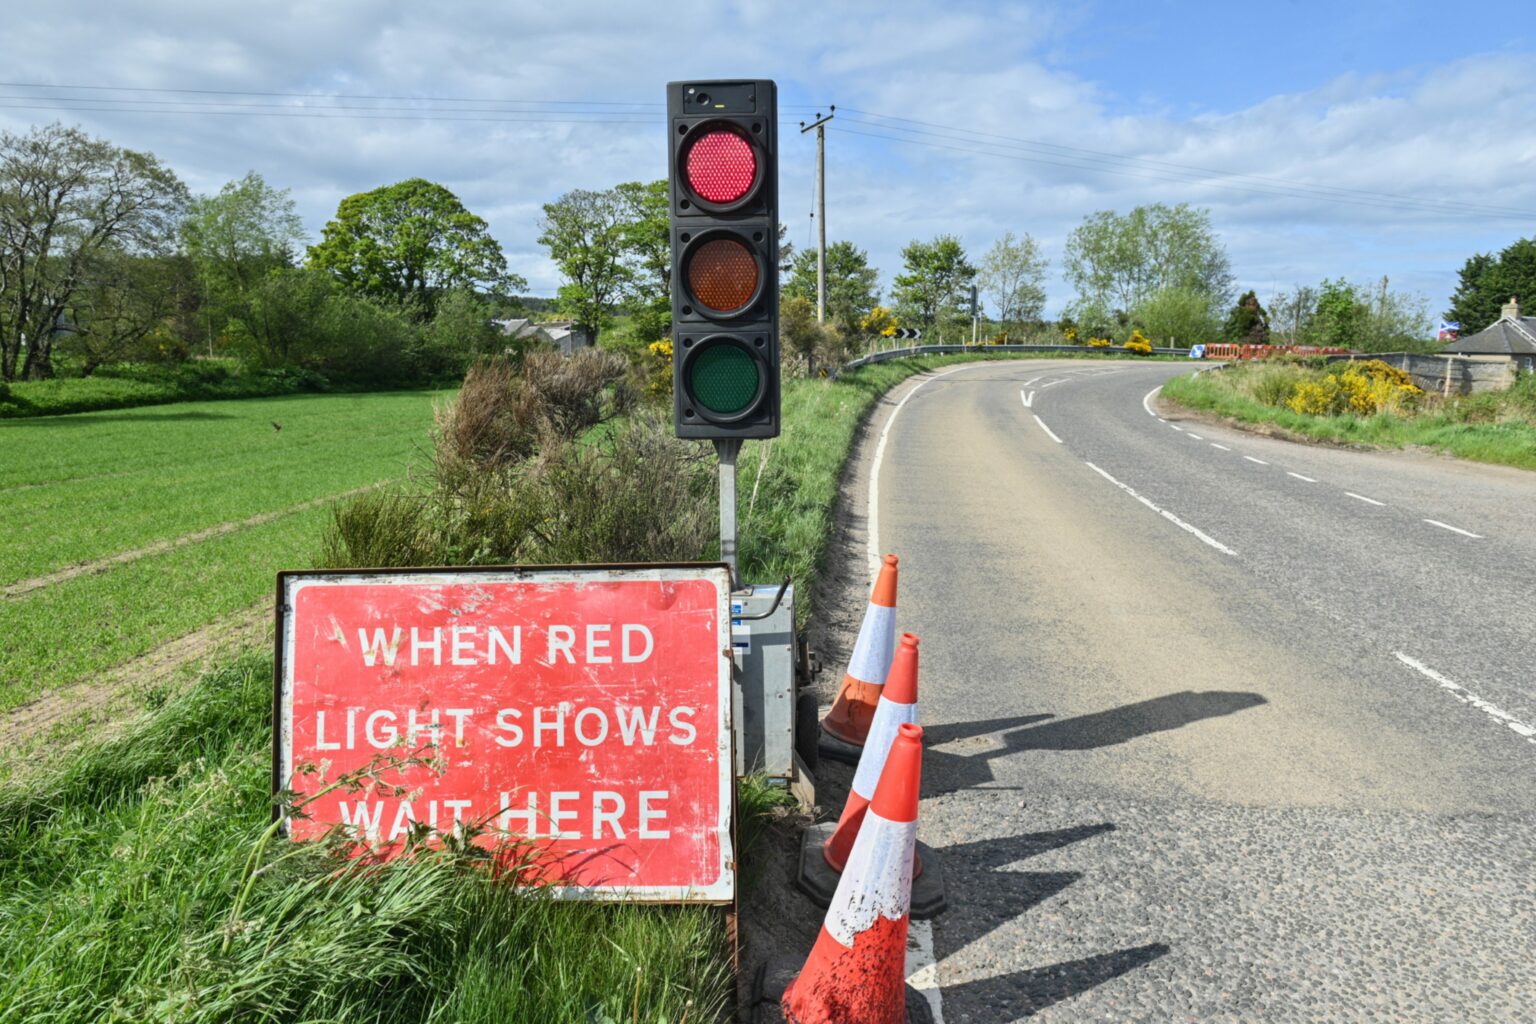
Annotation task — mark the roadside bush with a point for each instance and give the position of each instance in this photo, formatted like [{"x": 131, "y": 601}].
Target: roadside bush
[
  {"x": 1274, "y": 385},
  {"x": 1138, "y": 343},
  {"x": 1098, "y": 343},
  {"x": 1359, "y": 389}
]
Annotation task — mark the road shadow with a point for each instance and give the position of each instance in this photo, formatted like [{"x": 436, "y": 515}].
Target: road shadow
[
  {"x": 935, "y": 735},
  {"x": 947, "y": 771},
  {"x": 1022, "y": 994}
]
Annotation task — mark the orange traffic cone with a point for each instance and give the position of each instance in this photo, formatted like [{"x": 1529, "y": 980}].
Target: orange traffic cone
[
  {"x": 897, "y": 706},
  {"x": 854, "y": 710},
  {"x": 856, "y": 971}
]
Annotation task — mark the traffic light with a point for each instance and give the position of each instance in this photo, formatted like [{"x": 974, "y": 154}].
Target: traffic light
[{"x": 724, "y": 178}]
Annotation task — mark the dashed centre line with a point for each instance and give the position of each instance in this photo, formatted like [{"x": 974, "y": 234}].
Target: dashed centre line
[
  {"x": 1454, "y": 529},
  {"x": 1048, "y": 431},
  {"x": 1250, "y": 458},
  {"x": 1175, "y": 426},
  {"x": 1298, "y": 476},
  {"x": 1197, "y": 437},
  {"x": 1221, "y": 446},
  {"x": 1361, "y": 497},
  {"x": 1466, "y": 696},
  {"x": 1175, "y": 520}
]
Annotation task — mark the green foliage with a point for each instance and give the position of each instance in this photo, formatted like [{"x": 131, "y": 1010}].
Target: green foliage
[
  {"x": 802, "y": 336},
  {"x": 1118, "y": 262},
  {"x": 1496, "y": 427},
  {"x": 853, "y": 286},
  {"x": 126, "y": 386},
  {"x": 1012, "y": 277},
  {"x": 1486, "y": 282},
  {"x": 1177, "y": 316},
  {"x": 69, "y": 206},
  {"x": 237, "y": 236},
  {"x": 410, "y": 241},
  {"x": 934, "y": 290},
  {"x": 585, "y": 232},
  {"x": 1247, "y": 323}
]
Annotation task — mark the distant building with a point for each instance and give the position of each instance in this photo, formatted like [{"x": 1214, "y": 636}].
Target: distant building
[
  {"x": 1512, "y": 336},
  {"x": 562, "y": 334}
]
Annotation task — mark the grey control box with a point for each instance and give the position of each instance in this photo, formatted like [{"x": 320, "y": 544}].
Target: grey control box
[{"x": 765, "y": 657}]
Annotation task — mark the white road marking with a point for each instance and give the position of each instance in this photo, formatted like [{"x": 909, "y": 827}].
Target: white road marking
[
  {"x": 1361, "y": 497},
  {"x": 1030, "y": 381},
  {"x": 1298, "y": 476},
  {"x": 1466, "y": 696},
  {"x": 1454, "y": 529},
  {"x": 873, "y": 510},
  {"x": 1028, "y": 397},
  {"x": 1146, "y": 401},
  {"x": 1250, "y": 458},
  {"x": 1049, "y": 432},
  {"x": 1221, "y": 446},
  {"x": 922, "y": 968},
  {"x": 1050, "y": 382},
  {"x": 1175, "y": 426},
  {"x": 1175, "y": 520},
  {"x": 1197, "y": 437}
]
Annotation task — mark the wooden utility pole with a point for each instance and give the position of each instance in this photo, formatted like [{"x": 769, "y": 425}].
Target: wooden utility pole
[{"x": 821, "y": 209}]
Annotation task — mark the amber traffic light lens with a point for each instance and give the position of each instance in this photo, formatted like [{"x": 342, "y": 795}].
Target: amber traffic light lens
[
  {"x": 722, "y": 275},
  {"x": 721, "y": 166}
]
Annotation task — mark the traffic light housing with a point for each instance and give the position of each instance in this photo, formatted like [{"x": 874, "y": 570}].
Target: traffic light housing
[{"x": 723, "y": 174}]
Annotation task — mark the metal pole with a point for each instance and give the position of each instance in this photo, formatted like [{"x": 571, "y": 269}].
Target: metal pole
[
  {"x": 727, "y": 449},
  {"x": 821, "y": 211}
]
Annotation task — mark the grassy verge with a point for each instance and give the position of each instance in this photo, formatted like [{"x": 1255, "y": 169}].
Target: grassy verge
[
  {"x": 1497, "y": 428},
  {"x": 132, "y": 385},
  {"x": 131, "y": 895}
]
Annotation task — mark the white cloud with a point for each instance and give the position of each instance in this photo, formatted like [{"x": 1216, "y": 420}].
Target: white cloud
[{"x": 1460, "y": 132}]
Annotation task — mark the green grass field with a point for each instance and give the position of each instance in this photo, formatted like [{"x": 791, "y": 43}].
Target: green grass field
[{"x": 78, "y": 489}]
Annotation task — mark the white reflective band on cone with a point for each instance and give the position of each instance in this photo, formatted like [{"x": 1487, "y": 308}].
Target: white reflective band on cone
[
  {"x": 876, "y": 646},
  {"x": 877, "y": 882},
  {"x": 889, "y": 717}
]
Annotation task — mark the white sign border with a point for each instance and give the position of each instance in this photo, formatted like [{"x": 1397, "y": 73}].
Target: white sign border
[{"x": 723, "y": 889}]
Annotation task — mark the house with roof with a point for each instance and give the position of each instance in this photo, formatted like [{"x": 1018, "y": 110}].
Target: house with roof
[
  {"x": 564, "y": 335},
  {"x": 1511, "y": 336}
]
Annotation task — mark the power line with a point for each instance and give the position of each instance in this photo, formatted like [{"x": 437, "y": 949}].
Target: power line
[
  {"x": 1078, "y": 152},
  {"x": 1193, "y": 177}
]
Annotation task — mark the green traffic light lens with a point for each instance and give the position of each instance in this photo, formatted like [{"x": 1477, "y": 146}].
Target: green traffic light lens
[{"x": 724, "y": 379}]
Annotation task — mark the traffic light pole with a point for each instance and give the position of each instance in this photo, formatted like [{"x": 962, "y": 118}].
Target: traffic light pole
[{"x": 727, "y": 448}]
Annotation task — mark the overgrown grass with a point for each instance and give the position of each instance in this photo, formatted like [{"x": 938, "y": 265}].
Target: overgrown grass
[
  {"x": 124, "y": 866},
  {"x": 132, "y": 385},
  {"x": 1496, "y": 427}
]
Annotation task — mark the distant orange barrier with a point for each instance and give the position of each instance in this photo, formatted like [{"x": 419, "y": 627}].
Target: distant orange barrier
[{"x": 1226, "y": 351}]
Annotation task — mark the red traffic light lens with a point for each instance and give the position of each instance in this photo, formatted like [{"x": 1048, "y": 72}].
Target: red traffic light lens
[
  {"x": 721, "y": 166},
  {"x": 722, "y": 275}
]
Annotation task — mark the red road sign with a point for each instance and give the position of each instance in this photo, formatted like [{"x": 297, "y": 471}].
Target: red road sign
[{"x": 582, "y": 711}]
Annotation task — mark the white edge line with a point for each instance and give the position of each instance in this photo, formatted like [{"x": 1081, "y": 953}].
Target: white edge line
[
  {"x": 1049, "y": 432},
  {"x": 1221, "y": 446},
  {"x": 1361, "y": 497},
  {"x": 1454, "y": 529},
  {"x": 1250, "y": 458},
  {"x": 1466, "y": 696},
  {"x": 873, "y": 508},
  {"x": 923, "y": 968},
  {"x": 1175, "y": 520},
  {"x": 1146, "y": 401},
  {"x": 1298, "y": 476}
]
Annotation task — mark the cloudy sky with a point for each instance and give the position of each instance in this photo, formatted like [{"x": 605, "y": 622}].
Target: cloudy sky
[{"x": 1327, "y": 139}]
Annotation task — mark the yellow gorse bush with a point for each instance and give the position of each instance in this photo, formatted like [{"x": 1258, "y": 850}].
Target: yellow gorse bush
[
  {"x": 1139, "y": 343},
  {"x": 658, "y": 367},
  {"x": 1361, "y": 389},
  {"x": 1098, "y": 343}
]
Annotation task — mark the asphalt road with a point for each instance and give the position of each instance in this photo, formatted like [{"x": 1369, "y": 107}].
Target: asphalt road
[{"x": 1220, "y": 727}]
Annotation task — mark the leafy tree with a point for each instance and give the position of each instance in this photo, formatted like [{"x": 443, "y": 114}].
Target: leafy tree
[
  {"x": 1339, "y": 320},
  {"x": 585, "y": 232},
  {"x": 1290, "y": 314},
  {"x": 1247, "y": 323},
  {"x": 1012, "y": 276},
  {"x": 853, "y": 286},
  {"x": 645, "y": 236},
  {"x": 1118, "y": 261},
  {"x": 127, "y": 308},
  {"x": 1177, "y": 315},
  {"x": 70, "y": 206},
  {"x": 409, "y": 241},
  {"x": 935, "y": 290},
  {"x": 1487, "y": 282}
]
